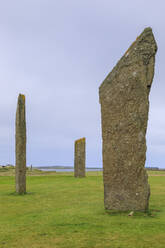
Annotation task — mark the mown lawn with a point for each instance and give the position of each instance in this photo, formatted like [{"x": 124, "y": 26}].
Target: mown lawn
[{"x": 62, "y": 211}]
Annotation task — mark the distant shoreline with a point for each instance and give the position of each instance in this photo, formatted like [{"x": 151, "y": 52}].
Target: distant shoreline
[
  {"x": 59, "y": 167},
  {"x": 87, "y": 168},
  {"x": 64, "y": 167}
]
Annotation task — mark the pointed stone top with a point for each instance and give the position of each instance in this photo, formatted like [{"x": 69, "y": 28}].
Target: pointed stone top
[
  {"x": 141, "y": 51},
  {"x": 147, "y": 30},
  {"x": 145, "y": 37}
]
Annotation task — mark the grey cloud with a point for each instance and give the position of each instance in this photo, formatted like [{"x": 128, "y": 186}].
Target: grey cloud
[{"x": 57, "y": 53}]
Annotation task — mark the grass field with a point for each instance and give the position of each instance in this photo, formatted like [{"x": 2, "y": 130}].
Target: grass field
[{"x": 64, "y": 212}]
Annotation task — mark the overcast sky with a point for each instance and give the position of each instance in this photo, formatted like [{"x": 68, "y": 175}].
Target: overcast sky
[{"x": 58, "y": 53}]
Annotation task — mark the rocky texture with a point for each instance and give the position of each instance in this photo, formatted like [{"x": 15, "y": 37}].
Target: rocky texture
[
  {"x": 79, "y": 158},
  {"x": 124, "y": 111},
  {"x": 20, "y": 139}
]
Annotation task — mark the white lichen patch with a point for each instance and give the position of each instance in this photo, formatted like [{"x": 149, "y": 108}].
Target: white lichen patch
[
  {"x": 140, "y": 136},
  {"x": 134, "y": 73}
]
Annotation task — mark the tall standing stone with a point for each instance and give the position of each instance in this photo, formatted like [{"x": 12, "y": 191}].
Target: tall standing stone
[
  {"x": 79, "y": 158},
  {"x": 20, "y": 142},
  {"x": 124, "y": 98}
]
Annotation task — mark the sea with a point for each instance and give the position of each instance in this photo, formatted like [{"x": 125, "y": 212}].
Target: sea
[{"x": 70, "y": 170}]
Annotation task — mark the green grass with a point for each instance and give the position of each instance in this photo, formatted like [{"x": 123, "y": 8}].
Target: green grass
[{"x": 64, "y": 212}]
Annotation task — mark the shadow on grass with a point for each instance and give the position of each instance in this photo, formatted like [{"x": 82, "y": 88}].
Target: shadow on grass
[
  {"x": 149, "y": 213},
  {"x": 21, "y": 195}
]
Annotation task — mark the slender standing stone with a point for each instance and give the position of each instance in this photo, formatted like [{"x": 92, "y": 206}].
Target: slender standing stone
[
  {"x": 124, "y": 111},
  {"x": 79, "y": 158},
  {"x": 20, "y": 141}
]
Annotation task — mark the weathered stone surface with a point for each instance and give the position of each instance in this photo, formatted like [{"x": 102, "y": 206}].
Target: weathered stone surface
[
  {"x": 20, "y": 141},
  {"x": 79, "y": 158},
  {"x": 124, "y": 111}
]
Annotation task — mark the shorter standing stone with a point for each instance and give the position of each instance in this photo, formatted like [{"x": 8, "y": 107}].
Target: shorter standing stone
[
  {"x": 79, "y": 158},
  {"x": 20, "y": 143}
]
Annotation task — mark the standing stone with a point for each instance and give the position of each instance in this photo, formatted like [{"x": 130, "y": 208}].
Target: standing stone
[
  {"x": 124, "y": 111},
  {"x": 79, "y": 158},
  {"x": 20, "y": 141}
]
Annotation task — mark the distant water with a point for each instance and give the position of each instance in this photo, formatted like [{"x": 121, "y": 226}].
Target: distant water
[{"x": 70, "y": 170}]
